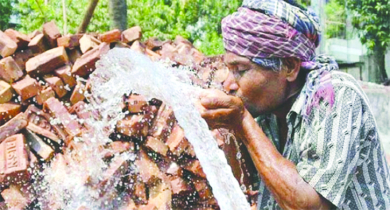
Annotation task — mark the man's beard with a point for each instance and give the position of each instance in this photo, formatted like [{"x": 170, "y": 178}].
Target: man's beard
[{"x": 253, "y": 109}]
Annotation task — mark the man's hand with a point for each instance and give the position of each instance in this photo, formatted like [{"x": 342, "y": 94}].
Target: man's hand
[{"x": 221, "y": 110}]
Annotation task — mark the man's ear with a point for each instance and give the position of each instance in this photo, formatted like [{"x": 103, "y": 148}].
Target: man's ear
[{"x": 292, "y": 68}]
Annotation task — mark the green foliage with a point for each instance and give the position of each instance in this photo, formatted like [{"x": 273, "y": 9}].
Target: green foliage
[
  {"x": 5, "y": 13},
  {"x": 336, "y": 17},
  {"x": 199, "y": 21},
  {"x": 34, "y": 13},
  {"x": 372, "y": 17}
]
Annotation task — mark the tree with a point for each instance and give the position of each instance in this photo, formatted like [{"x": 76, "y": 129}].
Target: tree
[
  {"x": 118, "y": 14},
  {"x": 6, "y": 10},
  {"x": 372, "y": 19}
]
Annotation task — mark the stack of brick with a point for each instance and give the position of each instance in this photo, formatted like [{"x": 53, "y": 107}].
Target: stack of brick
[{"x": 38, "y": 83}]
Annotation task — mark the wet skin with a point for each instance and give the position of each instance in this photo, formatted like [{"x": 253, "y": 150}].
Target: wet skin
[{"x": 254, "y": 91}]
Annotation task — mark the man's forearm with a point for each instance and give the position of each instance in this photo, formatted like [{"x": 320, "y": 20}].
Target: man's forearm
[{"x": 279, "y": 174}]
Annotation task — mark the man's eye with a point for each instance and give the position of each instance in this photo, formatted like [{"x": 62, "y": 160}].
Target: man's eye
[{"x": 243, "y": 71}]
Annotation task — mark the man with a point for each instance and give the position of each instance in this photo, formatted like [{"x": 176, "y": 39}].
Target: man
[{"x": 309, "y": 130}]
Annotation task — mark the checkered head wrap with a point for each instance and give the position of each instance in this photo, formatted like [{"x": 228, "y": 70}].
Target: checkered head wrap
[{"x": 267, "y": 30}]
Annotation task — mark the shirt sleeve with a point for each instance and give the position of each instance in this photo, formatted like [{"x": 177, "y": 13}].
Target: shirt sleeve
[{"x": 329, "y": 156}]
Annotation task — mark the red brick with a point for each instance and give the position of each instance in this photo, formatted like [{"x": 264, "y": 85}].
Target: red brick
[
  {"x": 38, "y": 44},
  {"x": 133, "y": 126},
  {"x": 78, "y": 93},
  {"x": 74, "y": 54},
  {"x": 79, "y": 109},
  {"x": 7, "y": 45},
  {"x": 194, "y": 167},
  {"x": 88, "y": 42},
  {"x": 152, "y": 55},
  {"x": 58, "y": 110},
  {"x": 203, "y": 189},
  {"x": 10, "y": 70},
  {"x": 148, "y": 170},
  {"x": 174, "y": 170},
  {"x": 197, "y": 56},
  {"x": 160, "y": 195},
  {"x": 13, "y": 126},
  {"x": 21, "y": 40},
  {"x": 47, "y": 61},
  {"x": 6, "y": 92},
  {"x": 154, "y": 44},
  {"x": 138, "y": 47},
  {"x": 121, "y": 146},
  {"x": 8, "y": 111},
  {"x": 86, "y": 63},
  {"x": 156, "y": 145},
  {"x": 183, "y": 54},
  {"x": 33, "y": 160},
  {"x": 52, "y": 33},
  {"x": 177, "y": 143},
  {"x": 43, "y": 132},
  {"x": 26, "y": 88},
  {"x": 14, "y": 160},
  {"x": 56, "y": 84},
  {"x": 139, "y": 193},
  {"x": 44, "y": 94},
  {"x": 15, "y": 198},
  {"x": 116, "y": 170},
  {"x": 180, "y": 187},
  {"x": 136, "y": 103},
  {"x": 181, "y": 40},
  {"x": 132, "y": 34},
  {"x": 111, "y": 36},
  {"x": 66, "y": 76},
  {"x": 168, "y": 51},
  {"x": 38, "y": 145},
  {"x": 69, "y": 41},
  {"x": 21, "y": 57},
  {"x": 163, "y": 123},
  {"x": 33, "y": 34}
]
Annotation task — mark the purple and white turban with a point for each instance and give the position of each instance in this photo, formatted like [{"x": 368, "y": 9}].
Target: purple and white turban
[{"x": 267, "y": 30}]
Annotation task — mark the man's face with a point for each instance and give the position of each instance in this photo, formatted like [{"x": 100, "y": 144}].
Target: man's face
[{"x": 261, "y": 90}]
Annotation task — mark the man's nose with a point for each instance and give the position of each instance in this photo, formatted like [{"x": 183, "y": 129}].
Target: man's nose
[{"x": 230, "y": 84}]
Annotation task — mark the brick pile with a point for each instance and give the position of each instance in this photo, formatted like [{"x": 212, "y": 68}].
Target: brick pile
[{"x": 38, "y": 84}]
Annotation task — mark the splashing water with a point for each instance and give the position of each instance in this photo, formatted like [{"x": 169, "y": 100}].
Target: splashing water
[{"x": 120, "y": 72}]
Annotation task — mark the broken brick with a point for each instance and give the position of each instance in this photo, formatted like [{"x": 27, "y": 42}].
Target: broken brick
[
  {"x": 180, "y": 187},
  {"x": 44, "y": 94},
  {"x": 136, "y": 103},
  {"x": 132, "y": 34},
  {"x": 10, "y": 70},
  {"x": 69, "y": 41},
  {"x": 156, "y": 145},
  {"x": 20, "y": 39},
  {"x": 111, "y": 36},
  {"x": 26, "y": 87},
  {"x": 163, "y": 123},
  {"x": 6, "y": 92},
  {"x": 38, "y": 44},
  {"x": 7, "y": 45},
  {"x": 33, "y": 34},
  {"x": 203, "y": 189},
  {"x": 148, "y": 170},
  {"x": 78, "y": 93},
  {"x": 195, "y": 168},
  {"x": 47, "y": 62},
  {"x": 58, "y": 111},
  {"x": 177, "y": 143},
  {"x": 8, "y": 111},
  {"x": 43, "y": 132},
  {"x": 21, "y": 57},
  {"x": 139, "y": 193},
  {"x": 174, "y": 170},
  {"x": 66, "y": 76},
  {"x": 38, "y": 145},
  {"x": 52, "y": 33},
  {"x": 56, "y": 84},
  {"x": 74, "y": 54},
  {"x": 14, "y": 198},
  {"x": 154, "y": 44},
  {"x": 138, "y": 47},
  {"x": 88, "y": 42},
  {"x": 13, "y": 126},
  {"x": 86, "y": 63},
  {"x": 133, "y": 126},
  {"x": 14, "y": 160}
]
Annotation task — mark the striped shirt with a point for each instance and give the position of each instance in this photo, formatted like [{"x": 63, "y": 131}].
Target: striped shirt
[{"x": 336, "y": 150}]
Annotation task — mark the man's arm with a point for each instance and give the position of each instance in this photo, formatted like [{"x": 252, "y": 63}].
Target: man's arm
[{"x": 279, "y": 174}]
